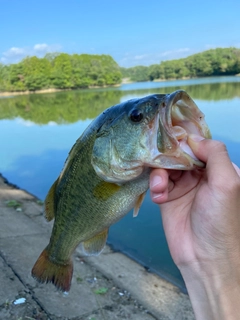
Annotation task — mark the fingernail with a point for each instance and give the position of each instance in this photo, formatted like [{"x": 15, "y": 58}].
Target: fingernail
[
  {"x": 156, "y": 195},
  {"x": 155, "y": 181},
  {"x": 195, "y": 137}
]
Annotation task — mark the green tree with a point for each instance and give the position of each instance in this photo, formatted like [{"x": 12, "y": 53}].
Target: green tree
[
  {"x": 220, "y": 61},
  {"x": 16, "y": 77},
  {"x": 36, "y": 73},
  {"x": 155, "y": 71},
  {"x": 4, "y": 78},
  {"x": 62, "y": 71}
]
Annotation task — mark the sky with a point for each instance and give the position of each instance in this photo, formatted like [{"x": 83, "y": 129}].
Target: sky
[{"x": 133, "y": 32}]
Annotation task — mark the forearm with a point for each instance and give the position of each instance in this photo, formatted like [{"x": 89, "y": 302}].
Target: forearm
[{"x": 214, "y": 296}]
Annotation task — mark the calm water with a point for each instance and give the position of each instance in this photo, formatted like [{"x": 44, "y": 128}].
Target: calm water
[{"x": 37, "y": 132}]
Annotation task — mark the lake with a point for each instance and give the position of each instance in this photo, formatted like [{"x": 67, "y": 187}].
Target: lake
[{"x": 37, "y": 132}]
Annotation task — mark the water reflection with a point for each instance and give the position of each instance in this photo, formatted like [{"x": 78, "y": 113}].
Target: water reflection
[
  {"x": 61, "y": 107},
  {"x": 39, "y": 131},
  {"x": 31, "y": 168},
  {"x": 209, "y": 91},
  {"x": 71, "y": 106}
]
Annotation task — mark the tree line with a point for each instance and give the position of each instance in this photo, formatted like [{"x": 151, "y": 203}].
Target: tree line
[
  {"x": 64, "y": 71},
  {"x": 214, "y": 62},
  {"x": 60, "y": 71}
]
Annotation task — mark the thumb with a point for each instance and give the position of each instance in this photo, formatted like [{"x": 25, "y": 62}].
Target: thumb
[{"x": 213, "y": 153}]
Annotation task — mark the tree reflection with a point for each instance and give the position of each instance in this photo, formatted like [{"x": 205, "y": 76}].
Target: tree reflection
[{"x": 71, "y": 106}]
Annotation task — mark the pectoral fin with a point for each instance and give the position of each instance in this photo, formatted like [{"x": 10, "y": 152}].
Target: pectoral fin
[
  {"x": 50, "y": 202},
  {"x": 138, "y": 204},
  {"x": 95, "y": 245},
  {"x": 104, "y": 190}
]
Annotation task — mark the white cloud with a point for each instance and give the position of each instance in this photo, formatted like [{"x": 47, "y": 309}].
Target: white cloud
[
  {"x": 41, "y": 47},
  {"x": 130, "y": 60},
  {"x": 16, "y": 54},
  {"x": 52, "y": 123},
  {"x": 13, "y": 54},
  {"x": 25, "y": 123},
  {"x": 147, "y": 59},
  {"x": 174, "y": 52},
  {"x": 141, "y": 57},
  {"x": 44, "y": 48}
]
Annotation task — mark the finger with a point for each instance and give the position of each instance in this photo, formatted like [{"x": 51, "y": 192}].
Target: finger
[
  {"x": 159, "y": 185},
  {"x": 236, "y": 168},
  {"x": 175, "y": 175},
  {"x": 158, "y": 180},
  {"x": 215, "y": 155},
  {"x": 186, "y": 182}
]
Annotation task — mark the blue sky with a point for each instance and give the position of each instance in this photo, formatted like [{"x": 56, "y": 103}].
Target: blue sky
[{"x": 132, "y": 32}]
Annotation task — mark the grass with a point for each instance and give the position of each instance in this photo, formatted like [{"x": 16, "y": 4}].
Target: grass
[
  {"x": 13, "y": 204},
  {"x": 101, "y": 290}
]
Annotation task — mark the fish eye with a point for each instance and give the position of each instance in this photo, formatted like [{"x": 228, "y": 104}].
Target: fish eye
[{"x": 136, "y": 116}]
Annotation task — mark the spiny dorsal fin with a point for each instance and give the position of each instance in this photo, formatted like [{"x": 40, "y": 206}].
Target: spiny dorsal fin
[
  {"x": 50, "y": 202},
  {"x": 95, "y": 245},
  {"x": 138, "y": 204}
]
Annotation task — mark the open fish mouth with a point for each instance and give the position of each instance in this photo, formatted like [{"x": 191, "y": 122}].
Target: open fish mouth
[{"x": 180, "y": 117}]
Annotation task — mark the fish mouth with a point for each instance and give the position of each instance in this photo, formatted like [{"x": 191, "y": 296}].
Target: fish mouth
[{"x": 180, "y": 116}]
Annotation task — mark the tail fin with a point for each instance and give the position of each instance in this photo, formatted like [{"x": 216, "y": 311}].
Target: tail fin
[{"x": 46, "y": 271}]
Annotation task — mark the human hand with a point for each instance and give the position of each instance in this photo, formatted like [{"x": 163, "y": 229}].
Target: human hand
[{"x": 201, "y": 218}]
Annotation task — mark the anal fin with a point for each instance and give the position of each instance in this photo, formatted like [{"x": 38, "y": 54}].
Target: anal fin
[
  {"x": 138, "y": 204},
  {"x": 50, "y": 202},
  {"x": 95, "y": 245}
]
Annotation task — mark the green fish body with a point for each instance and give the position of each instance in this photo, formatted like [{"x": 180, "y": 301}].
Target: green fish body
[{"x": 107, "y": 174}]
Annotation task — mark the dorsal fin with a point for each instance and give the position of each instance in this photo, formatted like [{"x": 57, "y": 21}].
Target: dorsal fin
[
  {"x": 95, "y": 245},
  {"x": 50, "y": 202},
  {"x": 138, "y": 204}
]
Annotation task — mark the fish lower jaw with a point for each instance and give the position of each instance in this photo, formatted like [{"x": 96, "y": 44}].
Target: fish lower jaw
[
  {"x": 187, "y": 152},
  {"x": 180, "y": 159},
  {"x": 184, "y": 146}
]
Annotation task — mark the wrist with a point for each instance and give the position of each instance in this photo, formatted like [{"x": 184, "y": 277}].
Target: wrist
[{"x": 214, "y": 290}]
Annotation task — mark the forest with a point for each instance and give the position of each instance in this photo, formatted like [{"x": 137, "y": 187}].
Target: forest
[
  {"x": 60, "y": 71},
  {"x": 64, "y": 71},
  {"x": 214, "y": 62}
]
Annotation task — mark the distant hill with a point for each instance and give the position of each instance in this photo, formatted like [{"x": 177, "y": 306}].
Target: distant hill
[{"x": 214, "y": 62}]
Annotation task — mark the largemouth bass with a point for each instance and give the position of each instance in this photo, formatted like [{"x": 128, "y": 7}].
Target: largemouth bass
[{"x": 107, "y": 174}]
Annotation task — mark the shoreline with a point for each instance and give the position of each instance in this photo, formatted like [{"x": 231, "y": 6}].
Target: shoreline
[
  {"x": 51, "y": 90},
  {"x": 8, "y": 94},
  {"x": 20, "y": 93}
]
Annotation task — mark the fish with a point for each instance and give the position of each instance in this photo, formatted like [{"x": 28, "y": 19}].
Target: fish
[{"x": 107, "y": 174}]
